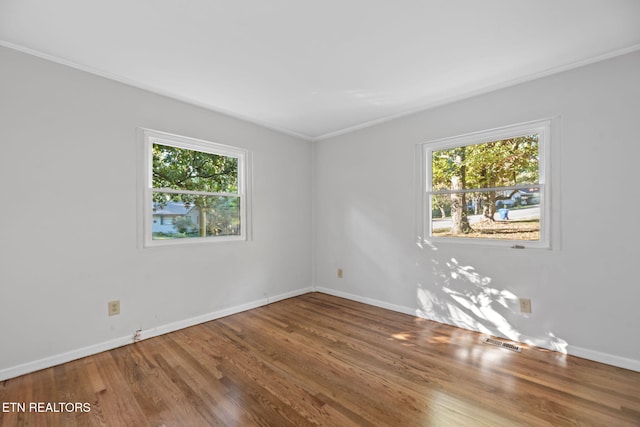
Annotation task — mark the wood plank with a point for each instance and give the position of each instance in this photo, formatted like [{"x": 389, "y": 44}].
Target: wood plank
[{"x": 322, "y": 360}]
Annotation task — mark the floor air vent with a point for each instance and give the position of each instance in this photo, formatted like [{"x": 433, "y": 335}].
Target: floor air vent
[{"x": 498, "y": 343}]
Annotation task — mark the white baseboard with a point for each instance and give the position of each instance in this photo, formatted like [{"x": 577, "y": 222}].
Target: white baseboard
[
  {"x": 58, "y": 359},
  {"x": 596, "y": 356},
  {"x": 368, "y": 301},
  {"x": 608, "y": 359},
  {"x": 47, "y": 362},
  {"x": 181, "y": 324}
]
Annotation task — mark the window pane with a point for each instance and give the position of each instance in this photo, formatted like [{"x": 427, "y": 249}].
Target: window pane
[
  {"x": 194, "y": 216},
  {"x": 503, "y": 215},
  {"x": 183, "y": 169},
  {"x": 507, "y": 162}
]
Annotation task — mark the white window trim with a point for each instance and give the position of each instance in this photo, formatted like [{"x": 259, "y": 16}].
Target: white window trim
[
  {"x": 544, "y": 128},
  {"x": 147, "y": 138}
]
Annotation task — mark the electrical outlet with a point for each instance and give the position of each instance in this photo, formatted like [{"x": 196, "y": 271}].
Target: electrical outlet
[
  {"x": 339, "y": 273},
  {"x": 114, "y": 307},
  {"x": 525, "y": 305}
]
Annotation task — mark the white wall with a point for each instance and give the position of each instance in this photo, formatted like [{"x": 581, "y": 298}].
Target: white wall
[
  {"x": 69, "y": 221},
  {"x": 584, "y": 292}
]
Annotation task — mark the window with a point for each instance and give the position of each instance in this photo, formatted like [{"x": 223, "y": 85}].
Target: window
[
  {"x": 194, "y": 191},
  {"x": 489, "y": 187}
]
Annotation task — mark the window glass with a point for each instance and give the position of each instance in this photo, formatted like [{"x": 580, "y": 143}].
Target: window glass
[
  {"x": 487, "y": 186},
  {"x": 195, "y": 188}
]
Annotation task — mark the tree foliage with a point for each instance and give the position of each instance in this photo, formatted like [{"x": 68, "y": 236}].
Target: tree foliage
[
  {"x": 490, "y": 165},
  {"x": 182, "y": 169}
]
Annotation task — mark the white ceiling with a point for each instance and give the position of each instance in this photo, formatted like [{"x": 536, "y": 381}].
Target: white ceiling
[{"x": 321, "y": 68}]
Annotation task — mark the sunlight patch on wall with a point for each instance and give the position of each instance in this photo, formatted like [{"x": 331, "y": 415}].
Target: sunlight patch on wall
[
  {"x": 465, "y": 311},
  {"x": 463, "y": 297},
  {"x": 557, "y": 343},
  {"x": 550, "y": 342}
]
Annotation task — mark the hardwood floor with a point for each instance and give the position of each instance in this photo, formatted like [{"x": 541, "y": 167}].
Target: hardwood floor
[{"x": 321, "y": 360}]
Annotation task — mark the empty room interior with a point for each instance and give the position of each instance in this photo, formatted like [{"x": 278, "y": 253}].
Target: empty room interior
[{"x": 319, "y": 213}]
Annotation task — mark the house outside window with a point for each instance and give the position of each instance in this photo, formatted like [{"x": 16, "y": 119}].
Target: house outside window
[
  {"x": 194, "y": 190},
  {"x": 488, "y": 188}
]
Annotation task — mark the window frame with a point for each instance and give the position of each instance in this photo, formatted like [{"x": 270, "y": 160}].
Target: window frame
[
  {"x": 150, "y": 137},
  {"x": 424, "y": 231}
]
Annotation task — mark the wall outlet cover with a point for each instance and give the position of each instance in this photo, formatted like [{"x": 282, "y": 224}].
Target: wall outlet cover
[
  {"x": 525, "y": 305},
  {"x": 114, "y": 308}
]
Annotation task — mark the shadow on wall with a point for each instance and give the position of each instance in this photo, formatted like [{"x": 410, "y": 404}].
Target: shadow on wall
[{"x": 463, "y": 297}]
